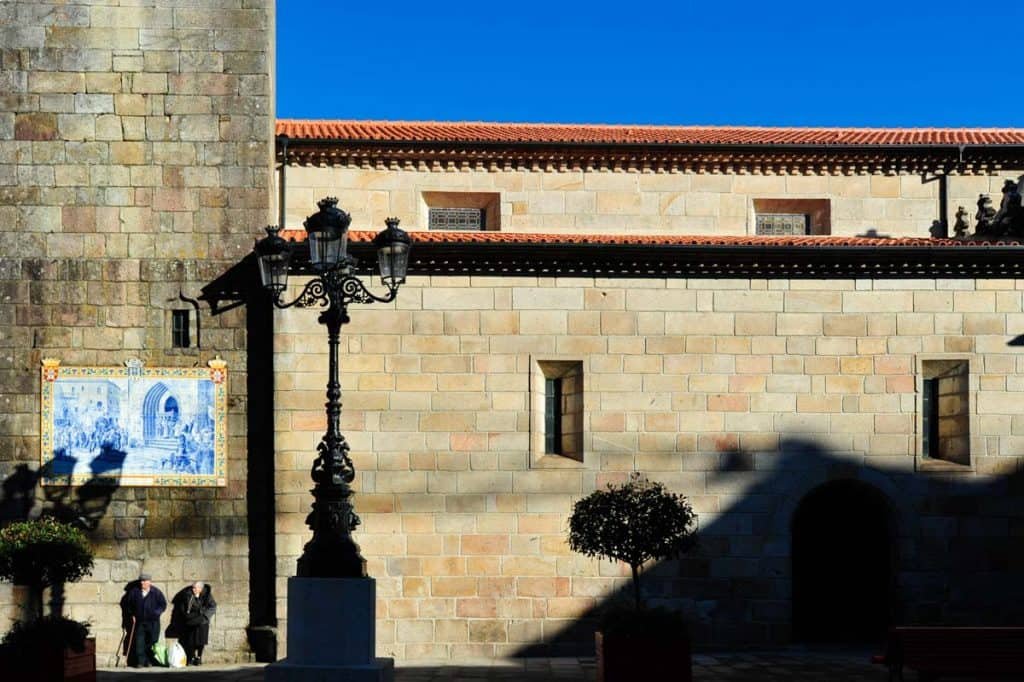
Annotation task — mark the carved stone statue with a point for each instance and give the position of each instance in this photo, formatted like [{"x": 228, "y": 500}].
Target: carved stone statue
[
  {"x": 1009, "y": 206},
  {"x": 961, "y": 225},
  {"x": 1013, "y": 203},
  {"x": 1008, "y": 221},
  {"x": 984, "y": 216}
]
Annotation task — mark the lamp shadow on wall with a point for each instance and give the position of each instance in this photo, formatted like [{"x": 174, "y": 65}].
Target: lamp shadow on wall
[
  {"x": 23, "y": 496},
  {"x": 83, "y": 505},
  {"x": 820, "y": 548}
]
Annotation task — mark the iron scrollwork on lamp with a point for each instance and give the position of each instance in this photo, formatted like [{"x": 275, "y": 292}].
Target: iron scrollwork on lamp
[{"x": 332, "y": 553}]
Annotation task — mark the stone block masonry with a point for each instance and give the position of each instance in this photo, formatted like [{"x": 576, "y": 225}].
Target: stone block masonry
[
  {"x": 134, "y": 166},
  {"x": 635, "y": 202},
  {"x": 741, "y": 394}
]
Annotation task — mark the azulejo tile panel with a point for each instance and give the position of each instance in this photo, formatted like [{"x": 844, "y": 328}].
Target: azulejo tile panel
[{"x": 134, "y": 425}]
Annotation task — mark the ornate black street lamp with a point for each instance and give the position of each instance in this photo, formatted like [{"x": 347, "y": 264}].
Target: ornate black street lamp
[{"x": 332, "y": 553}]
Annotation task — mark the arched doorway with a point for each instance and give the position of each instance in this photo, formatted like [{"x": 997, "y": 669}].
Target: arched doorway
[
  {"x": 843, "y": 557},
  {"x": 169, "y": 418},
  {"x": 160, "y": 413}
]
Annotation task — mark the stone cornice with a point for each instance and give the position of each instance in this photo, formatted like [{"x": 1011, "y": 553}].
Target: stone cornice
[
  {"x": 240, "y": 283},
  {"x": 703, "y": 261}
]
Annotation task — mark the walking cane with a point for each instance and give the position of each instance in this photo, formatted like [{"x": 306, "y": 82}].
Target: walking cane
[
  {"x": 120, "y": 648},
  {"x": 131, "y": 640}
]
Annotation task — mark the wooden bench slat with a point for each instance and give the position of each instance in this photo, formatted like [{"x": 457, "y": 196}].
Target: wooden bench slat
[{"x": 956, "y": 650}]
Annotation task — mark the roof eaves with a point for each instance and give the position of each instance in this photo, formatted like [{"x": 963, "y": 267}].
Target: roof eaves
[{"x": 953, "y": 147}]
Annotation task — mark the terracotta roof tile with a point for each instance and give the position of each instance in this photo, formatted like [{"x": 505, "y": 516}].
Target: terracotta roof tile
[
  {"x": 513, "y": 133},
  {"x": 524, "y": 238}
]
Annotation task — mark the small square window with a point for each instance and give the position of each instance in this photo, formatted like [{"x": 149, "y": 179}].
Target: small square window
[
  {"x": 181, "y": 323},
  {"x": 792, "y": 216},
  {"x": 461, "y": 211},
  {"x": 945, "y": 411}
]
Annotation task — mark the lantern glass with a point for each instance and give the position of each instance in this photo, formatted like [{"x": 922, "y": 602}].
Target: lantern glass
[
  {"x": 393, "y": 244},
  {"x": 274, "y": 271},
  {"x": 327, "y": 247},
  {"x": 394, "y": 263},
  {"x": 273, "y": 256}
]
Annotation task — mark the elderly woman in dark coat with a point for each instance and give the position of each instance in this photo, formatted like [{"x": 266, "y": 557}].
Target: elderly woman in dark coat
[{"x": 190, "y": 619}]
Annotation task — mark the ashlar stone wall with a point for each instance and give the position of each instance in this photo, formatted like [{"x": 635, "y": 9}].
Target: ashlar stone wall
[
  {"x": 134, "y": 168},
  {"x": 741, "y": 394},
  {"x": 602, "y": 201}
]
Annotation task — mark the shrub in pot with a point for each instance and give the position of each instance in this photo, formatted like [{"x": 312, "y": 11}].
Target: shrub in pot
[
  {"x": 40, "y": 554},
  {"x": 636, "y": 522}
]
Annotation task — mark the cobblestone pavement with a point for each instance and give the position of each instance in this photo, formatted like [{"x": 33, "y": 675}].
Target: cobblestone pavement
[{"x": 791, "y": 665}]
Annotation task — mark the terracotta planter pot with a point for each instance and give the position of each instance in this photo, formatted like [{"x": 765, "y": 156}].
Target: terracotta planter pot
[
  {"x": 49, "y": 664},
  {"x": 626, "y": 658}
]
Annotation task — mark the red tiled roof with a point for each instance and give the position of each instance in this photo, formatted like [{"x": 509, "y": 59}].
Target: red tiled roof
[
  {"x": 515, "y": 133},
  {"x": 526, "y": 238}
]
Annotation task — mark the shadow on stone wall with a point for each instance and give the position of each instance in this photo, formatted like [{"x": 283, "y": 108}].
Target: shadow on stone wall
[
  {"x": 23, "y": 496},
  {"x": 952, "y": 553},
  {"x": 239, "y": 286}
]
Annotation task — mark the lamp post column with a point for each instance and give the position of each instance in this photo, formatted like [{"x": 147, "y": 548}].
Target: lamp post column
[
  {"x": 331, "y": 600},
  {"x": 332, "y": 553}
]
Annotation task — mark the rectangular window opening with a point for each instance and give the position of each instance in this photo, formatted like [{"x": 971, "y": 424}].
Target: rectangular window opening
[
  {"x": 181, "y": 321},
  {"x": 558, "y": 409},
  {"x": 792, "y": 217},
  {"x": 945, "y": 411},
  {"x": 462, "y": 211}
]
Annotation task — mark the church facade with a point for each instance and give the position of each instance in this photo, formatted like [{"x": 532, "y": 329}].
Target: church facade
[
  {"x": 769, "y": 321},
  {"x": 798, "y": 329}
]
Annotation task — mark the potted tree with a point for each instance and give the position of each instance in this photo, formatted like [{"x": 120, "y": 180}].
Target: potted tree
[
  {"x": 635, "y": 522},
  {"x": 40, "y": 554}
]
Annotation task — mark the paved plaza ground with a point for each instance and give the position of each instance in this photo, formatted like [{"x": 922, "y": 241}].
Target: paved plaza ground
[{"x": 791, "y": 664}]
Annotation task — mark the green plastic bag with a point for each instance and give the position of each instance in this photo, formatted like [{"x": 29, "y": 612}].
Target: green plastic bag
[{"x": 160, "y": 653}]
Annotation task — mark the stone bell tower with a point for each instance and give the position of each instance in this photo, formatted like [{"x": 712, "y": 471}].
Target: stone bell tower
[{"x": 135, "y": 167}]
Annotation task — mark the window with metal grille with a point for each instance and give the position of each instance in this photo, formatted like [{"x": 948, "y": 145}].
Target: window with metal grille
[
  {"x": 945, "y": 410},
  {"x": 457, "y": 219},
  {"x": 782, "y": 223},
  {"x": 180, "y": 328}
]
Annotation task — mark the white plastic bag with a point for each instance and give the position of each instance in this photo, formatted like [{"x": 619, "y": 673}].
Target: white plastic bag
[{"x": 176, "y": 656}]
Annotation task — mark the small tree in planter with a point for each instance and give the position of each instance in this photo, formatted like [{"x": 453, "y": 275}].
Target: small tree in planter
[
  {"x": 636, "y": 522},
  {"x": 40, "y": 554}
]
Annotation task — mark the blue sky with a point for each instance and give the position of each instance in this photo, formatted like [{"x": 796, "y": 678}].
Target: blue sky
[{"x": 863, "y": 63}]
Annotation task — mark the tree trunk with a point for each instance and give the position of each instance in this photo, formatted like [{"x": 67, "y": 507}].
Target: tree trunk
[
  {"x": 35, "y": 602},
  {"x": 57, "y": 600},
  {"x": 636, "y": 584}
]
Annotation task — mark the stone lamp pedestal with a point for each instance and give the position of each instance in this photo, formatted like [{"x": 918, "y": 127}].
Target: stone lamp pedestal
[{"x": 331, "y": 633}]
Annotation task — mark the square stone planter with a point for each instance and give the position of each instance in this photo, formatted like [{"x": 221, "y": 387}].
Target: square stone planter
[
  {"x": 626, "y": 658},
  {"x": 51, "y": 664}
]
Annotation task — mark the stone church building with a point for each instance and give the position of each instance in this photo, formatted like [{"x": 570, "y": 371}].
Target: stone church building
[{"x": 798, "y": 329}]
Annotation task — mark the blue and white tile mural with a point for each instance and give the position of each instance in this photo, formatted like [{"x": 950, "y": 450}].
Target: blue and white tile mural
[{"x": 134, "y": 425}]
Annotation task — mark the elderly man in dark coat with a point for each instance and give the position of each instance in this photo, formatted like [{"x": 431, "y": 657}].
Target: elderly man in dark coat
[
  {"x": 144, "y": 603},
  {"x": 190, "y": 620}
]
